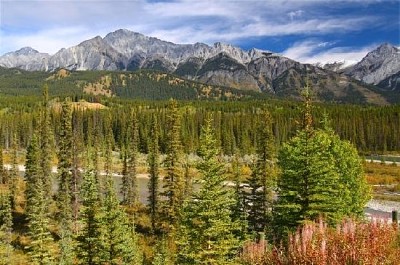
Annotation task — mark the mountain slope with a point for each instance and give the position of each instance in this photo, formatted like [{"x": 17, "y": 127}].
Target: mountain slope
[
  {"x": 143, "y": 84},
  {"x": 377, "y": 66}
]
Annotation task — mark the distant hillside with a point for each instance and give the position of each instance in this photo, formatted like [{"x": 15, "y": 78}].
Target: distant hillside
[{"x": 143, "y": 84}]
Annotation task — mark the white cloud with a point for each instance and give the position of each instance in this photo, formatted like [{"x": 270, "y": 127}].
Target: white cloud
[
  {"x": 295, "y": 14},
  {"x": 312, "y": 51}
]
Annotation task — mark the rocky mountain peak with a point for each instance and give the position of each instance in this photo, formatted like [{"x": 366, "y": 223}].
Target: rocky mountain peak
[
  {"x": 96, "y": 41},
  {"x": 377, "y": 65},
  {"x": 24, "y": 51}
]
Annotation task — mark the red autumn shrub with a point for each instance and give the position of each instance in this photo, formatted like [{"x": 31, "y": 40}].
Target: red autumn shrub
[{"x": 375, "y": 242}]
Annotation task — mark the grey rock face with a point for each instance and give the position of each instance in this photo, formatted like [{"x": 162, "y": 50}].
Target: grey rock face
[
  {"x": 26, "y": 59},
  {"x": 377, "y": 65}
]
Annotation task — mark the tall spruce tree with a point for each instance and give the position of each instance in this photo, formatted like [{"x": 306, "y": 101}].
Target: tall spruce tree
[
  {"x": 89, "y": 240},
  {"x": 129, "y": 187},
  {"x": 314, "y": 178},
  {"x": 32, "y": 173},
  {"x": 153, "y": 162},
  {"x": 41, "y": 244},
  {"x": 120, "y": 245},
  {"x": 77, "y": 147},
  {"x": 3, "y": 173},
  {"x": 239, "y": 209},
  {"x": 66, "y": 186},
  {"x": 46, "y": 148},
  {"x": 14, "y": 178},
  {"x": 173, "y": 182},
  {"x": 262, "y": 179},
  {"x": 206, "y": 233}
]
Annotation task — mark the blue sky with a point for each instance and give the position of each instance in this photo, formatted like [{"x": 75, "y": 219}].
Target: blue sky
[{"x": 306, "y": 30}]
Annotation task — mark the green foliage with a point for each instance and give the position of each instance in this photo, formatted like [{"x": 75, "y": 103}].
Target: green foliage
[
  {"x": 89, "y": 241},
  {"x": 321, "y": 176},
  {"x": 46, "y": 146},
  {"x": 129, "y": 179},
  {"x": 6, "y": 222},
  {"x": 309, "y": 184},
  {"x": 153, "y": 162},
  {"x": 173, "y": 181},
  {"x": 3, "y": 173},
  {"x": 65, "y": 187},
  {"x": 33, "y": 174},
  {"x": 119, "y": 240},
  {"x": 206, "y": 233},
  {"x": 41, "y": 241},
  {"x": 262, "y": 179}
]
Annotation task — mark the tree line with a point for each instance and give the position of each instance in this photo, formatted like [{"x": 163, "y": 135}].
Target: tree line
[{"x": 370, "y": 129}]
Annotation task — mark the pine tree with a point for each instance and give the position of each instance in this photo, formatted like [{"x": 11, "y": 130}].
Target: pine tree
[
  {"x": 77, "y": 147},
  {"x": 262, "y": 179},
  {"x": 119, "y": 242},
  {"x": 89, "y": 240},
  {"x": 129, "y": 180},
  {"x": 3, "y": 173},
  {"x": 310, "y": 184},
  {"x": 207, "y": 233},
  {"x": 32, "y": 173},
  {"x": 173, "y": 181},
  {"x": 65, "y": 187},
  {"x": 41, "y": 245},
  {"x": 6, "y": 249},
  {"x": 153, "y": 161},
  {"x": 14, "y": 178},
  {"x": 239, "y": 210},
  {"x": 45, "y": 145}
]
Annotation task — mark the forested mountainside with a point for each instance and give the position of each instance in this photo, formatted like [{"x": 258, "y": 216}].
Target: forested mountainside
[{"x": 156, "y": 85}]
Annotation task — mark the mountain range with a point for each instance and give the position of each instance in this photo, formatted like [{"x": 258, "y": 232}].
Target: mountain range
[{"x": 370, "y": 81}]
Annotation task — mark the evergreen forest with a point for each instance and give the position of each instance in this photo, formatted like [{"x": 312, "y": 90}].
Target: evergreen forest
[{"x": 224, "y": 179}]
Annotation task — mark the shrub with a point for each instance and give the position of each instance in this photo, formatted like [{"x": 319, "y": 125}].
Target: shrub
[{"x": 375, "y": 242}]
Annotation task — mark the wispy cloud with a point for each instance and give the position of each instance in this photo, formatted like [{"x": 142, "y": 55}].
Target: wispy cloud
[{"x": 313, "y": 51}]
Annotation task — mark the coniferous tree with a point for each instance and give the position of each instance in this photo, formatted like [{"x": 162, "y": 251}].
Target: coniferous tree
[
  {"x": 207, "y": 233},
  {"x": 173, "y": 181},
  {"x": 41, "y": 242},
  {"x": 129, "y": 179},
  {"x": 3, "y": 172},
  {"x": 262, "y": 178},
  {"x": 89, "y": 241},
  {"x": 32, "y": 173},
  {"x": 77, "y": 147},
  {"x": 153, "y": 162},
  {"x": 239, "y": 210},
  {"x": 119, "y": 245},
  {"x": 313, "y": 180},
  {"x": 14, "y": 178},
  {"x": 65, "y": 187},
  {"x": 6, "y": 222},
  {"x": 45, "y": 145},
  {"x": 119, "y": 242}
]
